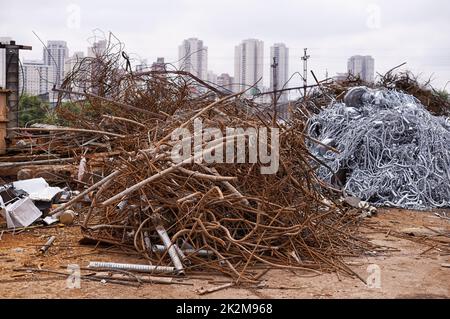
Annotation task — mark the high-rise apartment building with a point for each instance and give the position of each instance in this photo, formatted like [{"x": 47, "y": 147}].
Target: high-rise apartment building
[
  {"x": 280, "y": 52},
  {"x": 55, "y": 55},
  {"x": 248, "y": 65},
  {"x": 212, "y": 77},
  {"x": 37, "y": 77},
  {"x": 98, "y": 48},
  {"x": 159, "y": 65},
  {"x": 363, "y": 67},
  {"x": 193, "y": 58},
  {"x": 225, "y": 81},
  {"x": 72, "y": 62}
]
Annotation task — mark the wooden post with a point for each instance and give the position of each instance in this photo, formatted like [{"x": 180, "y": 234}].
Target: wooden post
[{"x": 3, "y": 119}]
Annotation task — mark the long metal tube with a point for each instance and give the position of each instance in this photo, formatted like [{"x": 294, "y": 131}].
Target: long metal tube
[
  {"x": 171, "y": 249},
  {"x": 131, "y": 267}
]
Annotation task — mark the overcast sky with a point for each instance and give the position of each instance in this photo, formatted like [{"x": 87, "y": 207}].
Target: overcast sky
[{"x": 413, "y": 31}]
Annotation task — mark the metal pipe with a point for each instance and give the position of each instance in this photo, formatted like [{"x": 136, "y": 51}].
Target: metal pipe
[
  {"x": 47, "y": 245},
  {"x": 171, "y": 249},
  {"x": 131, "y": 267},
  {"x": 200, "y": 252},
  {"x": 162, "y": 248},
  {"x": 147, "y": 242}
]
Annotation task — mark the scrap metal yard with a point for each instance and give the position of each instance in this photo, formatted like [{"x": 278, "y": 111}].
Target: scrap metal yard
[{"x": 157, "y": 184}]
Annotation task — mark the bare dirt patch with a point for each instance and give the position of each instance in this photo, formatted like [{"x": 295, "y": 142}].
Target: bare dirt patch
[{"x": 414, "y": 269}]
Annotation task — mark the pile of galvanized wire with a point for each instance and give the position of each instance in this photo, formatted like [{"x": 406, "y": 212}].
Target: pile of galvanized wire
[{"x": 392, "y": 151}]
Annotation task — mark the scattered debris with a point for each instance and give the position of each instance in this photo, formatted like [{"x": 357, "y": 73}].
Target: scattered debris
[
  {"x": 422, "y": 231},
  {"x": 38, "y": 189},
  {"x": 84, "y": 277},
  {"x": 47, "y": 245},
  {"x": 49, "y": 220},
  {"x": 67, "y": 217},
  {"x": 21, "y": 213},
  {"x": 204, "y": 291},
  {"x": 367, "y": 209}
]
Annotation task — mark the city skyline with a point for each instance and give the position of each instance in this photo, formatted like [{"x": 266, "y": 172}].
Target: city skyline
[
  {"x": 408, "y": 32},
  {"x": 193, "y": 57},
  {"x": 200, "y": 53}
]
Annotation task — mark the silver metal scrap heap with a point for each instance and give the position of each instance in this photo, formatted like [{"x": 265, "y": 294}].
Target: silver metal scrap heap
[{"x": 392, "y": 151}]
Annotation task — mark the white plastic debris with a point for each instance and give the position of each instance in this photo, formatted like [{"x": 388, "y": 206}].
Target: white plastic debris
[
  {"x": 38, "y": 189},
  {"x": 50, "y": 220},
  {"x": 21, "y": 213},
  {"x": 82, "y": 168}
]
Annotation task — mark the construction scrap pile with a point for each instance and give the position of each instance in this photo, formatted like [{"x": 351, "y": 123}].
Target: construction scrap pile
[
  {"x": 392, "y": 150},
  {"x": 192, "y": 215}
]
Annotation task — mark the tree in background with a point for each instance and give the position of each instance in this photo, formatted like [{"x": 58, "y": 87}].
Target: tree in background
[
  {"x": 443, "y": 94},
  {"x": 33, "y": 110}
]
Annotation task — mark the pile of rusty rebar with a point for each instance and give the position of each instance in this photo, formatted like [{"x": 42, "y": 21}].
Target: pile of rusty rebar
[{"x": 192, "y": 215}]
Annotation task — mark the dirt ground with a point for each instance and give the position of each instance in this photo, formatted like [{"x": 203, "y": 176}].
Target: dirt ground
[{"x": 414, "y": 269}]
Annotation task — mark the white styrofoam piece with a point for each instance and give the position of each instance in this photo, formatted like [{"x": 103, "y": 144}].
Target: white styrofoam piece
[
  {"x": 37, "y": 189},
  {"x": 22, "y": 213},
  {"x": 50, "y": 220}
]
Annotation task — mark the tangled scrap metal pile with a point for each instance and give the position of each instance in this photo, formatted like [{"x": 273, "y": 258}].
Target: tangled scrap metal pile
[
  {"x": 194, "y": 215},
  {"x": 392, "y": 151}
]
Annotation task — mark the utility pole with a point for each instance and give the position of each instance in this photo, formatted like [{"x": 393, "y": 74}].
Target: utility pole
[
  {"x": 274, "y": 66},
  {"x": 305, "y": 58},
  {"x": 12, "y": 79}
]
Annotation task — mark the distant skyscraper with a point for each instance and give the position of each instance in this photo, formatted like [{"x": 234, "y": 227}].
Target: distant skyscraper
[
  {"x": 72, "y": 62},
  {"x": 225, "y": 81},
  {"x": 248, "y": 64},
  {"x": 159, "y": 65},
  {"x": 97, "y": 48},
  {"x": 3, "y": 40},
  {"x": 362, "y": 66},
  {"x": 212, "y": 77},
  {"x": 142, "y": 66},
  {"x": 37, "y": 77},
  {"x": 280, "y": 52},
  {"x": 56, "y": 55},
  {"x": 193, "y": 57}
]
